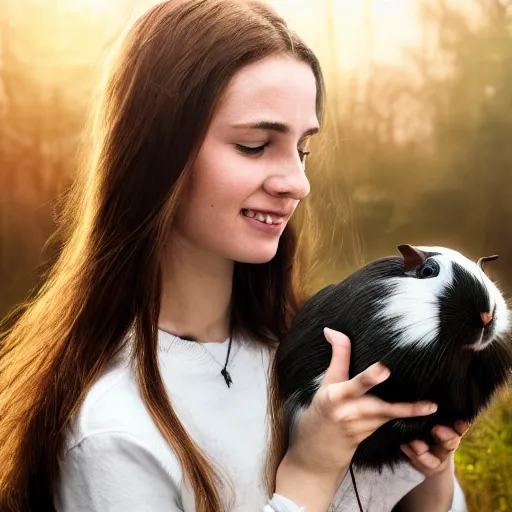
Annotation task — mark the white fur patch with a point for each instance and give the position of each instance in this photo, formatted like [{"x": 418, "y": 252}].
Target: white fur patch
[
  {"x": 292, "y": 402},
  {"x": 414, "y": 308}
]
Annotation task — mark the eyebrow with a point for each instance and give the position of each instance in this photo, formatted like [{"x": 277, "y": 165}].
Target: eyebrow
[{"x": 274, "y": 126}]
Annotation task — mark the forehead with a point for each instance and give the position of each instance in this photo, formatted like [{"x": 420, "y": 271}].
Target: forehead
[{"x": 276, "y": 88}]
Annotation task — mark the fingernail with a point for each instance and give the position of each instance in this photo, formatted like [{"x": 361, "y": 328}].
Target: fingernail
[
  {"x": 328, "y": 335},
  {"x": 462, "y": 426},
  {"x": 332, "y": 339},
  {"x": 381, "y": 370},
  {"x": 430, "y": 407}
]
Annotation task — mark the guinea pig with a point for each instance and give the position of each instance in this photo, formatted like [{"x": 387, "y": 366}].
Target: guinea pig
[{"x": 431, "y": 316}]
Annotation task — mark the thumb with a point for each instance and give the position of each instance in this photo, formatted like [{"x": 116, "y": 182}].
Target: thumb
[{"x": 340, "y": 360}]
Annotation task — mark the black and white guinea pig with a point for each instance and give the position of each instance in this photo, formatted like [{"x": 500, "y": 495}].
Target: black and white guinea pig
[{"x": 432, "y": 317}]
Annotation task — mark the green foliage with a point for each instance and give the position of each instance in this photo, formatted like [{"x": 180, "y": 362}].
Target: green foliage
[{"x": 484, "y": 459}]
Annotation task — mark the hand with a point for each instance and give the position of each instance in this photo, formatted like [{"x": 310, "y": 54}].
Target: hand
[
  {"x": 342, "y": 415},
  {"x": 436, "y": 459}
]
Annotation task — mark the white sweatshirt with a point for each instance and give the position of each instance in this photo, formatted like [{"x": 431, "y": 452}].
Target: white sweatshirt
[{"x": 116, "y": 460}]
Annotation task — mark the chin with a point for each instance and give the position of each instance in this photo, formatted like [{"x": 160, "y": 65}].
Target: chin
[{"x": 256, "y": 255}]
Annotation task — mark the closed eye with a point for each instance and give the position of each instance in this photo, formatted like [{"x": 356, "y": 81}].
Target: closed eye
[
  {"x": 255, "y": 150},
  {"x": 251, "y": 150},
  {"x": 303, "y": 155}
]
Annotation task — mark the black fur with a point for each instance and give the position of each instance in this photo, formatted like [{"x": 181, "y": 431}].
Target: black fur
[{"x": 462, "y": 382}]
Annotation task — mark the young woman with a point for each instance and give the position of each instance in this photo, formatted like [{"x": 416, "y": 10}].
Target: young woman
[{"x": 136, "y": 378}]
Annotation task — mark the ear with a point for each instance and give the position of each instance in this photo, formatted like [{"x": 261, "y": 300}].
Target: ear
[
  {"x": 482, "y": 260},
  {"x": 413, "y": 257}
]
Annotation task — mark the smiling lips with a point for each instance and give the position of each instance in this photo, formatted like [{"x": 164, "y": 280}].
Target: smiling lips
[{"x": 265, "y": 217}]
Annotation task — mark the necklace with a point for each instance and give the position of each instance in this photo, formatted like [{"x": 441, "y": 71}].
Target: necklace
[
  {"x": 224, "y": 370},
  {"x": 355, "y": 488}
]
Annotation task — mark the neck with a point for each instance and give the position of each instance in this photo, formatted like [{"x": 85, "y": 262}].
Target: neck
[{"x": 196, "y": 293}]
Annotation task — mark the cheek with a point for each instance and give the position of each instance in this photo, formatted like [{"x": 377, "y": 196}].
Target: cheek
[
  {"x": 214, "y": 200},
  {"x": 223, "y": 183},
  {"x": 223, "y": 178}
]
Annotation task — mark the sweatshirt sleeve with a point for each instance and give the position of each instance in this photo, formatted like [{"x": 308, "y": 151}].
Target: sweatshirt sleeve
[
  {"x": 113, "y": 472},
  {"x": 279, "y": 503}
]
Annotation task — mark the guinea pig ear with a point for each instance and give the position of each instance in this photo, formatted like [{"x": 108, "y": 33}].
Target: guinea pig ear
[
  {"x": 413, "y": 257},
  {"x": 482, "y": 260}
]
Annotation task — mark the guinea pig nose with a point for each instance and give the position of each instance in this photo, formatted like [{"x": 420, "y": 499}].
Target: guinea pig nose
[{"x": 486, "y": 318}]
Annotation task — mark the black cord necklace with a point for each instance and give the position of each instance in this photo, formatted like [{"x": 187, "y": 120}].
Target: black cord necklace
[
  {"x": 224, "y": 372},
  {"x": 355, "y": 488}
]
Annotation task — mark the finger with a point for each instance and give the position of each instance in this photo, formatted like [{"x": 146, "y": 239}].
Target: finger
[
  {"x": 372, "y": 409},
  {"x": 462, "y": 427},
  {"x": 363, "y": 428},
  {"x": 340, "y": 359},
  {"x": 407, "y": 410},
  {"x": 421, "y": 448},
  {"x": 420, "y": 457},
  {"x": 362, "y": 382},
  {"x": 371, "y": 406},
  {"x": 447, "y": 438}
]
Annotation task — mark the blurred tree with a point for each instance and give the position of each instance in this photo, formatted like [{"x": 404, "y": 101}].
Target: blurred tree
[
  {"x": 430, "y": 157},
  {"x": 472, "y": 126},
  {"x": 46, "y": 77}
]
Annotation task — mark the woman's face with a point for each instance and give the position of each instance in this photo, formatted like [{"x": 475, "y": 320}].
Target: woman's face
[{"x": 249, "y": 175}]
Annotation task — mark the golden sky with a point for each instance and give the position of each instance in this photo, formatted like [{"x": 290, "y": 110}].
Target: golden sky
[
  {"x": 390, "y": 24},
  {"x": 347, "y": 35},
  {"x": 364, "y": 29}
]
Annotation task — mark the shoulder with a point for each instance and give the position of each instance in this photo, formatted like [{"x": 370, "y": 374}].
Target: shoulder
[
  {"x": 112, "y": 404},
  {"x": 113, "y": 418},
  {"x": 114, "y": 457},
  {"x": 115, "y": 471}
]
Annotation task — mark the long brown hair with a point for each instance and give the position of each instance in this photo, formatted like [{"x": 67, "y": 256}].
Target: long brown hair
[{"x": 151, "y": 117}]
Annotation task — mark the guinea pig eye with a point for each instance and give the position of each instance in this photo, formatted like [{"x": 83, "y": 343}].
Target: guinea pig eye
[{"x": 429, "y": 269}]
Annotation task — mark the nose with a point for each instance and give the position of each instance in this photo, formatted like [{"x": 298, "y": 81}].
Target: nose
[
  {"x": 486, "y": 318},
  {"x": 291, "y": 182}
]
